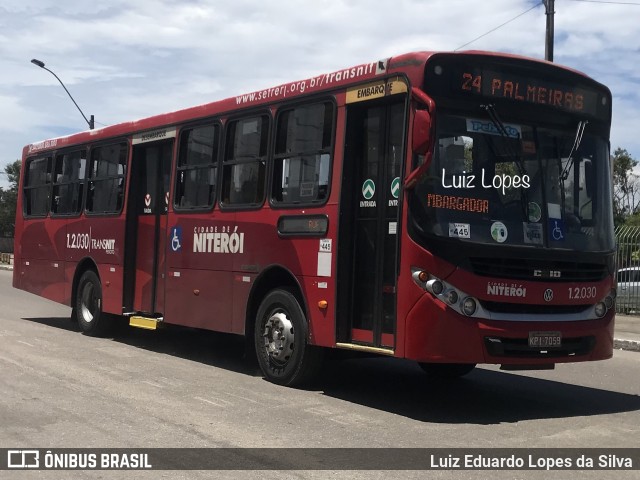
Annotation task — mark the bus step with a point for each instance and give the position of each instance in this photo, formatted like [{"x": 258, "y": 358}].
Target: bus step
[
  {"x": 147, "y": 323},
  {"x": 365, "y": 348}
]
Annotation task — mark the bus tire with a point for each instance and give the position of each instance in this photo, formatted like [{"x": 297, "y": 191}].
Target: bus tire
[
  {"x": 281, "y": 341},
  {"x": 446, "y": 371},
  {"x": 88, "y": 305}
]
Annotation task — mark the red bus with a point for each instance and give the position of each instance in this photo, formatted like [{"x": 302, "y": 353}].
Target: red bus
[{"x": 450, "y": 208}]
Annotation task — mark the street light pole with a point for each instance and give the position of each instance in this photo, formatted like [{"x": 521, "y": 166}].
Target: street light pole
[
  {"x": 548, "y": 45},
  {"x": 40, "y": 64}
]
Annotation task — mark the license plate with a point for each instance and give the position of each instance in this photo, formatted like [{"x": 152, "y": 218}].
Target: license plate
[{"x": 545, "y": 339}]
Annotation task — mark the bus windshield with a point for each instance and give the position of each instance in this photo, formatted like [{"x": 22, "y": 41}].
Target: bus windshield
[{"x": 498, "y": 182}]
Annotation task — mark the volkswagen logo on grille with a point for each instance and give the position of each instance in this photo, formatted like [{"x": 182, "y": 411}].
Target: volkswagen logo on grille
[{"x": 548, "y": 295}]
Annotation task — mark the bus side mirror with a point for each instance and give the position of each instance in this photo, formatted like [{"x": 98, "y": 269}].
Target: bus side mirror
[
  {"x": 421, "y": 132},
  {"x": 421, "y": 145}
]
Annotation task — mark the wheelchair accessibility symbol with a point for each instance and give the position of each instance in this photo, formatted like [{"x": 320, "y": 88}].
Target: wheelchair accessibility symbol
[
  {"x": 556, "y": 229},
  {"x": 176, "y": 239}
]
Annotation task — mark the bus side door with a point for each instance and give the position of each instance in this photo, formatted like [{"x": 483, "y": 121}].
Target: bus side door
[
  {"x": 368, "y": 234},
  {"x": 146, "y": 226}
]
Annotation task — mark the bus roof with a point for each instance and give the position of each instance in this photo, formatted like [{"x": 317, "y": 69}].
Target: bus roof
[{"x": 410, "y": 64}]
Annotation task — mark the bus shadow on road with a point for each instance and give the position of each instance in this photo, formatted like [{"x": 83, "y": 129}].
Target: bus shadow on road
[
  {"x": 221, "y": 350},
  {"x": 61, "y": 323},
  {"x": 483, "y": 397},
  {"x": 396, "y": 386}
]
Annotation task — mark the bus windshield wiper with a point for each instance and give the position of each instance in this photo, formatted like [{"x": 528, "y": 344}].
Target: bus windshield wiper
[
  {"x": 493, "y": 116},
  {"x": 576, "y": 144}
]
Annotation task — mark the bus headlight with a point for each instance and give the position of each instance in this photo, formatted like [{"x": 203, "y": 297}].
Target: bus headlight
[
  {"x": 608, "y": 301},
  {"x": 469, "y": 306},
  {"x": 435, "y": 286},
  {"x": 600, "y": 309},
  {"x": 442, "y": 291},
  {"x": 452, "y": 297}
]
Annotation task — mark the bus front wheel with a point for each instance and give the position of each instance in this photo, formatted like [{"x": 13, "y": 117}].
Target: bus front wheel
[
  {"x": 88, "y": 305},
  {"x": 447, "y": 370},
  {"x": 281, "y": 340}
]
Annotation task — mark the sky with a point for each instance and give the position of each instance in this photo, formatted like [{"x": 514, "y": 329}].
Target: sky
[{"x": 123, "y": 60}]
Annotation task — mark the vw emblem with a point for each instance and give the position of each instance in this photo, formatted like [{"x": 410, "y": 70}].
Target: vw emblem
[{"x": 548, "y": 295}]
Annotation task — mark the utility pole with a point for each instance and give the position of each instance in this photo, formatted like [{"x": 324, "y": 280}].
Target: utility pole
[{"x": 548, "y": 46}]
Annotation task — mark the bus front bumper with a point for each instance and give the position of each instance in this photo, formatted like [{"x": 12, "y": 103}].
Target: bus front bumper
[{"x": 440, "y": 334}]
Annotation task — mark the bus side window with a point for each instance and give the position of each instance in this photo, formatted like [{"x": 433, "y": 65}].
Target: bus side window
[
  {"x": 245, "y": 158},
  {"x": 37, "y": 187},
  {"x": 106, "y": 179},
  {"x": 197, "y": 168},
  {"x": 69, "y": 176},
  {"x": 302, "y": 156}
]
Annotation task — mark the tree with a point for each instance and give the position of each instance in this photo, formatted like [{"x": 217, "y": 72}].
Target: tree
[
  {"x": 626, "y": 186},
  {"x": 13, "y": 174},
  {"x": 8, "y": 199}
]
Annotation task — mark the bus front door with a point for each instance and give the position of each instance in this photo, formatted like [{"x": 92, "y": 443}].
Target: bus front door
[
  {"x": 146, "y": 226},
  {"x": 368, "y": 238}
]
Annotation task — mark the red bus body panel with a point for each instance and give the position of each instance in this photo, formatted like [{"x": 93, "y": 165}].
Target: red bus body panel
[{"x": 211, "y": 291}]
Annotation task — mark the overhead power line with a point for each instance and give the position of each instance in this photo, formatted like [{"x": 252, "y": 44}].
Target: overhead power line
[
  {"x": 611, "y": 2},
  {"x": 605, "y": 1},
  {"x": 499, "y": 26}
]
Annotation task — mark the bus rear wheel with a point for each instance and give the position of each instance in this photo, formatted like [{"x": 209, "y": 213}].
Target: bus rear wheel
[
  {"x": 281, "y": 341},
  {"x": 447, "y": 370},
  {"x": 88, "y": 305}
]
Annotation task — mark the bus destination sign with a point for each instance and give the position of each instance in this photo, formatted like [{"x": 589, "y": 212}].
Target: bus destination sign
[{"x": 508, "y": 86}]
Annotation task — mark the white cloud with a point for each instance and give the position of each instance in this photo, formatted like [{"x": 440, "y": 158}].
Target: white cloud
[{"x": 124, "y": 60}]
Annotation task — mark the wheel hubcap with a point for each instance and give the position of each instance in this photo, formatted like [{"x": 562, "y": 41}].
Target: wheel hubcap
[
  {"x": 278, "y": 337},
  {"x": 90, "y": 303}
]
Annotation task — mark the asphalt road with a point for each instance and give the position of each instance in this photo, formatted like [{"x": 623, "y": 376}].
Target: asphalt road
[{"x": 186, "y": 388}]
